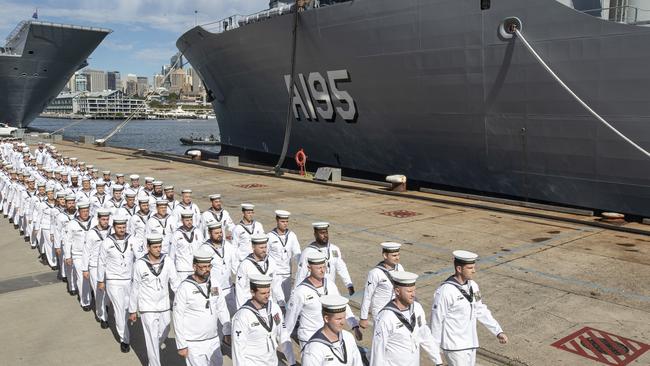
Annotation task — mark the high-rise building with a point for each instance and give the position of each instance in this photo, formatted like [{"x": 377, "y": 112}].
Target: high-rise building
[
  {"x": 81, "y": 83},
  {"x": 176, "y": 61},
  {"x": 142, "y": 86},
  {"x": 96, "y": 80},
  {"x": 195, "y": 82},
  {"x": 131, "y": 87},
  {"x": 113, "y": 81},
  {"x": 158, "y": 81},
  {"x": 178, "y": 81}
]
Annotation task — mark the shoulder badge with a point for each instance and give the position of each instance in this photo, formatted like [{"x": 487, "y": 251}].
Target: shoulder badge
[
  {"x": 335, "y": 253},
  {"x": 276, "y": 318},
  {"x": 214, "y": 291}
]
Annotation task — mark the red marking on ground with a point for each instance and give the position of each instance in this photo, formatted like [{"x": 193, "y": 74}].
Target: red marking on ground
[
  {"x": 601, "y": 346},
  {"x": 400, "y": 214},
  {"x": 252, "y": 185}
]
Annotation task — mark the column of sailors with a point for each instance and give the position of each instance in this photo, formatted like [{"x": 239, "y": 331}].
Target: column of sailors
[{"x": 128, "y": 245}]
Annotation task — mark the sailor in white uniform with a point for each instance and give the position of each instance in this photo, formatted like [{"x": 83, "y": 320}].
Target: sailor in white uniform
[
  {"x": 332, "y": 345},
  {"x": 335, "y": 262},
  {"x": 186, "y": 204},
  {"x": 216, "y": 212},
  {"x": 258, "y": 328},
  {"x": 241, "y": 234},
  {"x": 258, "y": 262},
  {"x": 304, "y": 303},
  {"x": 169, "y": 196},
  {"x": 108, "y": 183},
  {"x": 94, "y": 240},
  {"x": 162, "y": 223},
  {"x": 401, "y": 328},
  {"x": 457, "y": 305},
  {"x": 73, "y": 249},
  {"x": 44, "y": 223},
  {"x": 117, "y": 201},
  {"x": 129, "y": 208},
  {"x": 185, "y": 240},
  {"x": 114, "y": 274},
  {"x": 137, "y": 227},
  {"x": 134, "y": 186},
  {"x": 284, "y": 248},
  {"x": 60, "y": 236},
  {"x": 153, "y": 275},
  {"x": 224, "y": 263},
  {"x": 99, "y": 199},
  {"x": 379, "y": 288},
  {"x": 198, "y": 308}
]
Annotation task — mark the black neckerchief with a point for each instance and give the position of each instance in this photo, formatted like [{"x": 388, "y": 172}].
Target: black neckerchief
[
  {"x": 142, "y": 217},
  {"x": 163, "y": 224},
  {"x": 98, "y": 231},
  {"x": 286, "y": 236},
  {"x": 160, "y": 268},
  {"x": 307, "y": 283},
  {"x": 320, "y": 249},
  {"x": 252, "y": 224},
  {"x": 409, "y": 324},
  {"x": 452, "y": 281},
  {"x": 267, "y": 324},
  {"x": 215, "y": 213},
  {"x": 184, "y": 231},
  {"x": 320, "y": 338},
  {"x": 185, "y": 207},
  {"x": 30, "y": 194},
  {"x": 130, "y": 211},
  {"x": 117, "y": 204},
  {"x": 101, "y": 198},
  {"x": 87, "y": 195},
  {"x": 384, "y": 270},
  {"x": 216, "y": 251},
  {"x": 125, "y": 240},
  {"x": 252, "y": 260},
  {"x": 191, "y": 280}
]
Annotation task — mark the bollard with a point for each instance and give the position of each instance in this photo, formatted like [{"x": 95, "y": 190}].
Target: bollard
[
  {"x": 194, "y": 154},
  {"x": 397, "y": 181}
]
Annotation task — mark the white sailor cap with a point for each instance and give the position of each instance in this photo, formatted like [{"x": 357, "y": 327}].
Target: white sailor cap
[
  {"x": 100, "y": 183},
  {"x": 103, "y": 212},
  {"x": 149, "y": 179},
  {"x": 90, "y": 166},
  {"x": 30, "y": 179},
  {"x": 142, "y": 200},
  {"x": 61, "y": 194},
  {"x": 74, "y": 159},
  {"x": 119, "y": 175},
  {"x": 215, "y": 196},
  {"x": 203, "y": 254},
  {"x": 64, "y": 172},
  {"x": 282, "y": 214},
  {"x": 168, "y": 188},
  {"x": 82, "y": 163},
  {"x": 258, "y": 280},
  {"x": 85, "y": 179},
  {"x": 70, "y": 197},
  {"x": 157, "y": 183},
  {"x": 134, "y": 177},
  {"x": 49, "y": 188},
  {"x": 320, "y": 225},
  {"x": 187, "y": 214},
  {"x": 316, "y": 257},
  {"x": 83, "y": 204},
  {"x": 119, "y": 220},
  {"x": 162, "y": 202},
  {"x": 259, "y": 238},
  {"x": 390, "y": 247},
  {"x": 465, "y": 257},
  {"x": 118, "y": 187},
  {"x": 74, "y": 175},
  {"x": 40, "y": 183},
  {"x": 247, "y": 207},
  {"x": 25, "y": 149},
  {"x": 403, "y": 278},
  {"x": 154, "y": 239},
  {"x": 214, "y": 225},
  {"x": 94, "y": 170},
  {"x": 186, "y": 191},
  {"x": 333, "y": 304},
  {"x": 129, "y": 193},
  {"x": 106, "y": 172}
]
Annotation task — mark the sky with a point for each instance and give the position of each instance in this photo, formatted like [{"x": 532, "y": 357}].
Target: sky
[{"x": 144, "y": 31}]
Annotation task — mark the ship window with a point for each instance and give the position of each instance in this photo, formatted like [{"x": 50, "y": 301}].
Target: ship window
[
  {"x": 485, "y": 4},
  {"x": 30, "y": 52}
]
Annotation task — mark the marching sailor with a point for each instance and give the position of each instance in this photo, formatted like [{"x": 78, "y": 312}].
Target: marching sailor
[
  {"x": 305, "y": 305},
  {"x": 241, "y": 234},
  {"x": 152, "y": 277},
  {"x": 137, "y": 226},
  {"x": 198, "y": 308},
  {"x": 157, "y": 193},
  {"x": 162, "y": 223},
  {"x": 260, "y": 263},
  {"x": 116, "y": 201},
  {"x": 401, "y": 327},
  {"x": 457, "y": 305},
  {"x": 73, "y": 248},
  {"x": 67, "y": 214},
  {"x": 108, "y": 184},
  {"x": 379, "y": 287},
  {"x": 216, "y": 212},
  {"x": 44, "y": 224},
  {"x": 224, "y": 263},
  {"x": 186, "y": 204},
  {"x": 284, "y": 248},
  {"x": 169, "y": 196},
  {"x": 185, "y": 241},
  {"x": 114, "y": 273},
  {"x": 332, "y": 345},
  {"x": 258, "y": 327},
  {"x": 98, "y": 199},
  {"x": 86, "y": 190},
  {"x": 129, "y": 208},
  {"x": 134, "y": 186},
  {"x": 335, "y": 263},
  {"x": 94, "y": 240}
]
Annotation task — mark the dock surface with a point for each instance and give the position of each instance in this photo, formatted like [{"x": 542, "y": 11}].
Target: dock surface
[{"x": 548, "y": 282}]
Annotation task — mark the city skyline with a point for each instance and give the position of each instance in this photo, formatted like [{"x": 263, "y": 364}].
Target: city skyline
[{"x": 144, "y": 35}]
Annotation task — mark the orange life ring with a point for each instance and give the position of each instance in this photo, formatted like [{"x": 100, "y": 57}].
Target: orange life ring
[{"x": 301, "y": 158}]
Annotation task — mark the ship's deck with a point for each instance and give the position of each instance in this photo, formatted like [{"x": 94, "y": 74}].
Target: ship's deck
[{"x": 543, "y": 279}]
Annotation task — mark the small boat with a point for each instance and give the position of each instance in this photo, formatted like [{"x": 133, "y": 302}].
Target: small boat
[{"x": 200, "y": 140}]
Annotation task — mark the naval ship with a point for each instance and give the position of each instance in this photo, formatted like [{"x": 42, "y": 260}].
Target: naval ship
[
  {"x": 37, "y": 61},
  {"x": 444, "y": 92}
]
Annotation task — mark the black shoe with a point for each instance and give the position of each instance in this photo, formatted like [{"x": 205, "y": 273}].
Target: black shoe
[
  {"x": 86, "y": 308},
  {"x": 74, "y": 293},
  {"x": 124, "y": 347},
  {"x": 103, "y": 324},
  {"x": 64, "y": 279}
]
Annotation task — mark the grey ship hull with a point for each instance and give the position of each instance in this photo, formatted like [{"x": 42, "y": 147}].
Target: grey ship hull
[
  {"x": 442, "y": 98},
  {"x": 29, "y": 81}
]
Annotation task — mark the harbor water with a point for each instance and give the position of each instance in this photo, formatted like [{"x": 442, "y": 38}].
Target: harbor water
[{"x": 154, "y": 135}]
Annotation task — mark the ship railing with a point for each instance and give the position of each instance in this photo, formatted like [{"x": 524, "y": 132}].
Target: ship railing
[
  {"x": 14, "y": 33},
  {"x": 25, "y": 23},
  {"x": 238, "y": 20},
  {"x": 622, "y": 14}
]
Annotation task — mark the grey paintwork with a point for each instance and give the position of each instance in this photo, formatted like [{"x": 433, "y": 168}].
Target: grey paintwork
[
  {"x": 442, "y": 98},
  {"x": 30, "y": 80}
]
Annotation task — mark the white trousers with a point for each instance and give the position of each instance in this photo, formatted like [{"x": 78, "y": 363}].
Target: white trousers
[
  {"x": 47, "y": 247},
  {"x": 100, "y": 295},
  {"x": 286, "y": 286},
  {"x": 461, "y": 358},
  {"x": 83, "y": 285},
  {"x": 118, "y": 293},
  {"x": 156, "y": 330},
  {"x": 204, "y": 353}
]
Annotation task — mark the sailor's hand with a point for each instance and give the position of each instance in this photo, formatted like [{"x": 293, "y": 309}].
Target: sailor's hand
[
  {"x": 101, "y": 286},
  {"x": 51, "y": 237},
  {"x": 351, "y": 290},
  {"x": 503, "y": 338},
  {"x": 363, "y": 323},
  {"x": 227, "y": 340},
  {"x": 229, "y": 237},
  {"x": 133, "y": 317},
  {"x": 86, "y": 274},
  {"x": 357, "y": 333},
  {"x": 58, "y": 252},
  {"x": 68, "y": 261},
  {"x": 183, "y": 352}
]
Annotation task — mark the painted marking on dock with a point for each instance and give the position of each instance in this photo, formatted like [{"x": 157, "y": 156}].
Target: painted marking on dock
[
  {"x": 400, "y": 214},
  {"x": 604, "y": 347},
  {"x": 30, "y": 281},
  {"x": 251, "y": 185}
]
